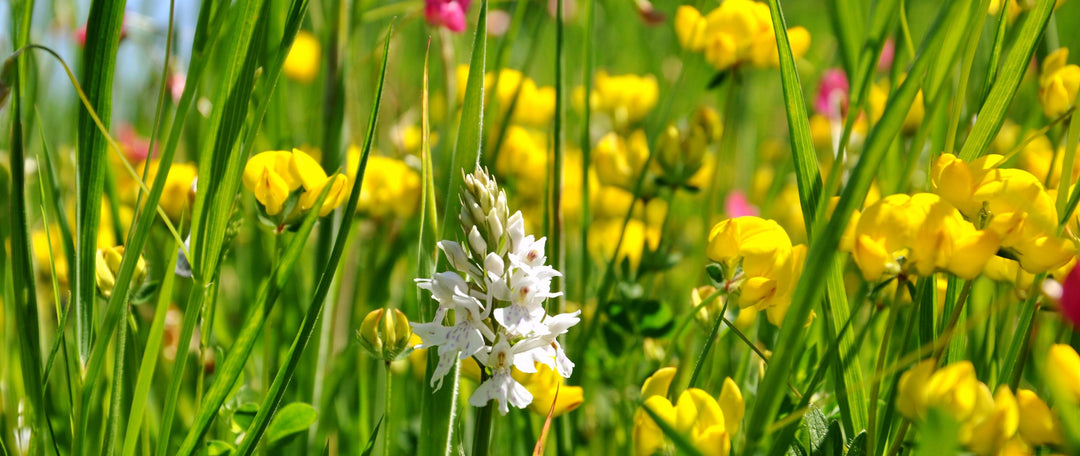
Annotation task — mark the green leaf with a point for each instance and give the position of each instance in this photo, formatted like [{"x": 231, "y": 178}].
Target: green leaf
[
  {"x": 370, "y": 446},
  {"x": 992, "y": 113},
  {"x": 857, "y": 447},
  {"x": 219, "y": 448},
  {"x": 291, "y": 419}
]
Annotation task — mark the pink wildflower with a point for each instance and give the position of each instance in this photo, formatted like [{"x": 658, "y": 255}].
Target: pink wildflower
[
  {"x": 737, "y": 205},
  {"x": 832, "y": 94},
  {"x": 447, "y": 13},
  {"x": 887, "y": 54}
]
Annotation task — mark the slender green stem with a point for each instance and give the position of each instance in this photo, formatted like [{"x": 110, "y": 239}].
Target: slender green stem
[
  {"x": 482, "y": 433},
  {"x": 388, "y": 434},
  {"x": 708, "y": 346}
]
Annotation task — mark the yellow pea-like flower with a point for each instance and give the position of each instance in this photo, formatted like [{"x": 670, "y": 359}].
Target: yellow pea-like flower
[
  {"x": 390, "y": 188},
  {"x": 760, "y": 263},
  {"x": 619, "y": 161},
  {"x": 708, "y": 422},
  {"x": 994, "y": 422},
  {"x": 690, "y": 28},
  {"x": 542, "y": 384},
  {"x": 626, "y": 98},
  {"x": 1038, "y": 425},
  {"x": 1062, "y": 368},
  {"x": 952, "y": 389},
  {"x": 272, "y": 191},
  {"x": 273, "y": 176},
  {"x": 1058, "y": 83}
]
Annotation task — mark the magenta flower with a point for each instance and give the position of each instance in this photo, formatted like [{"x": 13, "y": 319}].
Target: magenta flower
[
  {"x": 736, "y": 205},
  {"x": 1070, "y": 296},
  {"x": 447, "y": 13},
  {"x": 832, "y": 94}
]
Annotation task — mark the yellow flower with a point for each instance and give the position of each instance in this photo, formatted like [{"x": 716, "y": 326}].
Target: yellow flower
[
  {"x": 879, "y": 97},
  {"x": 1017, "y": 206},
  {"x": 619, "y": 161},
  {"x": 952, "y": 389},
  {"x": 604, "y": 234},
  {"x": 626, "y": 98},
  {"x": 759, "y": 262},
  {"x": 947, "y": 242},
  {"x": 1061, "y": 369},
  {"x": 177, "y": 195},
  {"x": 1038, "y": 425},
  {"x": 1058, "y": 83},
  {"x": 542, "y": 384},
  {"x": 707, "y": 422},
  {"x": 1039, "y": 158},
  {"x": 690, "y": 28},
  {"x": 736, "y": 32},
  {"x": 274, "y": 175},
  {"x": 390, "y": 187},
  {"x": 994, "y": 422},
  {"x": 302, "y": 63},
  {"x": 535, "y": 104},
  {"x": 107, "y": 266},
  {"x": 523, "y": 159}
]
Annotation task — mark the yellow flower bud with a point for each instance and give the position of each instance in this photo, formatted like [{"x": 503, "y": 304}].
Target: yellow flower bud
[
  {"x": 690, "y": 28},
  {"x": 385, "y": 335},
  {"x": 107, "y": 266}
]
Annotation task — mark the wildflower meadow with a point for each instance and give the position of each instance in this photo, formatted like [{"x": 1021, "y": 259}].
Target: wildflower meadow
[{"x": 547, "y": 227}]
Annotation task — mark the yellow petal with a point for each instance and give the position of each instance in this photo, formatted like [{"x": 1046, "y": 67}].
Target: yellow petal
[
  {"x": 272, "y": 191},
  {"x": 307, "y": 170}
]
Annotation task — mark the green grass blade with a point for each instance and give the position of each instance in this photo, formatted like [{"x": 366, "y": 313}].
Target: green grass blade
[
  {"x": 150, "y": 356},
  {"x": 822, "y": 251},
  {"x": 992, "y": 113},
  {"x": 809, "y": 182},
  {"x": 276, "y": 391},
  {"x": 22, "y": 272},
  {"x": 102, "y": 39},
  {"x": 849, "y": 24},
  {"x": 439, "y": 407}
]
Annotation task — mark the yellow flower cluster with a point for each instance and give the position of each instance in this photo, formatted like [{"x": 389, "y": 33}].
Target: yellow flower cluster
[
  {"x": 609, "y": 206},
  {"x": 1012, "y": 203},
  {"x": 535, "y": 104},
  {"x": 274, "y": 176},
  {"x": 989, "y": 423},
  {"x": 736, "y": 32},
  {"x": 1058, "y": 83},
  {"x": 626, "y": 98},
  {"x": 917, "y": 235},
  {"x": 390, "y": 188},
  {"x": 708, "y": 422},
  {"x": 522, "y": 160},
  {"x": 619, "y": 161},
  {"x": 759, "y": 263}
]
